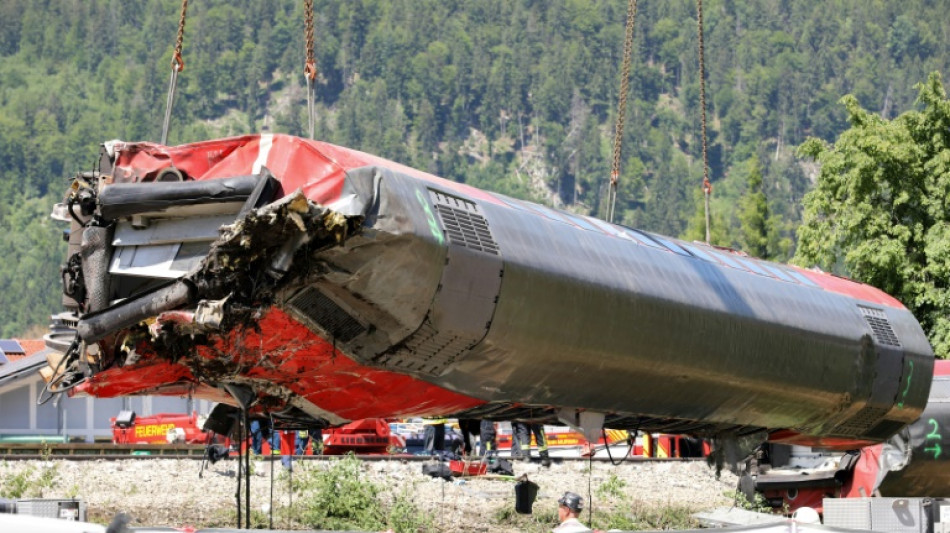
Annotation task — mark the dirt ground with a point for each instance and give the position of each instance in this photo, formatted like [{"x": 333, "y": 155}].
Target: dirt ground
[{"x": 169, "y": 492}]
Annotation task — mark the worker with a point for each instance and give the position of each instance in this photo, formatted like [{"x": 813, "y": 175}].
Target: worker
[
  {"x": 304, "y": 437},
  {"x": 261, "y": 430},
  {"x": 469, "y": 428},
  {"x": 521, "y": 438},
  {"x": 569, "y": 509},
  {"x": 434, "y": 435},
  {"x": 257, "y": 436},
  {"x": 487, "y": 437}
]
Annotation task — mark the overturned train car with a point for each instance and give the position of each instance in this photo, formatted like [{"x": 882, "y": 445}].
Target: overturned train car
[{"x": 327, "y": 284}]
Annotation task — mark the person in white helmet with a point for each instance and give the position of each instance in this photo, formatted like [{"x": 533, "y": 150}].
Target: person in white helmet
[{"x": 569, "y": 508}]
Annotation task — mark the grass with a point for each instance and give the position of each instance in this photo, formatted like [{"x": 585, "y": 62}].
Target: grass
[{"x": 30, "y": 482}]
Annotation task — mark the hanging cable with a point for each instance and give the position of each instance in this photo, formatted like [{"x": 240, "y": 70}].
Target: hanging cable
[
  {"x": 707, "y": 187},
  {"x": 621, "y": 108},
  {"x": 310, "y": 69},
  {"x": 631, "y": 440},
  {"x": 590, "y": 496},
  {"x": 247, "y": 470},
  {"x": 178, "y": 65},
  {"x": 242, "y": 431},
  {"x": 270, "y": 519}
]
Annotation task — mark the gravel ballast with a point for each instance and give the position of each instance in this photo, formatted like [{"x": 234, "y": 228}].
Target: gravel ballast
[{"x": 169, "y": 492}]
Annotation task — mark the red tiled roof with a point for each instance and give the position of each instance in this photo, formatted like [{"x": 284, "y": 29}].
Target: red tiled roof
[{"x": 30, "y": 347}]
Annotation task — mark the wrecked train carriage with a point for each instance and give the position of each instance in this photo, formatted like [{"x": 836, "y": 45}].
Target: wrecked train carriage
[{"x": 294, "y": 275}]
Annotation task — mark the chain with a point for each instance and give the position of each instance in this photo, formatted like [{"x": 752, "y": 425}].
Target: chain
[
  {"x": 177, "y": 61},
  {"x": 707, "y": 187},
  {"x": 178, "y": 65},
  {"x": 621, "y": 108},
  {"x": 310, "y": 68}
]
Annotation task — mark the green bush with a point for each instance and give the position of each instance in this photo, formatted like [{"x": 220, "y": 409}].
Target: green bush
[
  {"x": 340, "y": 499},
  {"x": 335, "y": 496},
  {"x": 16, "y": 485}
]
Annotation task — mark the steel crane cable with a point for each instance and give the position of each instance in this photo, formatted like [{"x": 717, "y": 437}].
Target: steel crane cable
[
  {"x": 310, "y": 68},
  {"x": 707, "y": 187},
  {"x": 621, "y": 108},
  {"x": 178, "y": 65}
]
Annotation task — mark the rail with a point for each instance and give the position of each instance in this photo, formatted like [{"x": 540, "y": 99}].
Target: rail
[{"x": 86, "y": 451}]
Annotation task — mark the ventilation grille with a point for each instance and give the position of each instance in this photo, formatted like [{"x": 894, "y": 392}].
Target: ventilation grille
[
  {"x": 860, "y": 423},
  {"x": 326, "y": 314},
  {"x": 462, "y": 223},
  {"x": 880, "y": 326},
  {"x": 427, "y": 351}
]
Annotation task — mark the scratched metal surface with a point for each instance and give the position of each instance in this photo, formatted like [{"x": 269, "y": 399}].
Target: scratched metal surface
[
  {"x": 589, "y": 320},
  {"x": 495, "y": 300}
]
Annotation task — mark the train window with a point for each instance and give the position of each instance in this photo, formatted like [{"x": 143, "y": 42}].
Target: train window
[
  {"x": 552, "y": 214},
  {"x": 641, "y": 237},
  {"x": 610, "y": 229},
  {"x": 728, "y": 260},
  {"x": 675, "y": 248},
  {"x": 580, "y": 221},
  {"x": 801, "y": 278},
  {"x": 700, "y": 253},
  {"x": 751, "y": 265},
  {"x": 511, "y": 202},
  {"x": 778, "y": 272}
]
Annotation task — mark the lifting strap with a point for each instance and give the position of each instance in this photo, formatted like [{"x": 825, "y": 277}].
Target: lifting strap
[{"x": 178, "y": 65}]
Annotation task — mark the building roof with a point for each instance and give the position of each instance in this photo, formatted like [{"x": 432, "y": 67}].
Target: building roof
[
  {"x": 29, "y": 361},
  {"x": 30, "y": 347}
]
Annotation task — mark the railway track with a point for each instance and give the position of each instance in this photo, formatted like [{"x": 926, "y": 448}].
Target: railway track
[{"x": 108, "y": 451}]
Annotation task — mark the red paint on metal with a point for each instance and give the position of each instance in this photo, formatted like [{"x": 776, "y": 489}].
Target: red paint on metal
[
  {"x": 154, "y": 429},
  {"x": 139, "y": 379},
  {"x": 367, "y": 436},
  {"x": 851, "y": 288},
  {"x": 289, "y": 355},
  {"x": 317, "y": 168},
  {"x": 864, "y": 477},
  {"x": 292, "y": 356}
]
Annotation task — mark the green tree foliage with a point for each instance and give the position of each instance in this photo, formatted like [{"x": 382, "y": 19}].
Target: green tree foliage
[
  {"x": 754, "y": 219},
  {"x": 516, "y": 96},
  {"x": 879, "y": 211}
]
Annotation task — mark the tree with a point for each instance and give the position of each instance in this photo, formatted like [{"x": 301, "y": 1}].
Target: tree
[
  {"x": 696, "y": 226},
  {"x": 879, "y": 211},
  {"x": 754, "y": 215}
]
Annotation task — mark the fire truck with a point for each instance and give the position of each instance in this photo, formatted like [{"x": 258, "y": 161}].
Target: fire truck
[{"x": 162, "y": 428}]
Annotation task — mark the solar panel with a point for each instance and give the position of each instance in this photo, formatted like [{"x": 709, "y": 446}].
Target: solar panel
[
  {"x": 10, "y": 346},
  {"x": 3, "y": 358}
]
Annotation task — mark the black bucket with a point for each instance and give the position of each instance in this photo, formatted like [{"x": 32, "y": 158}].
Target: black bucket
[{"x": 525, "y": 494}]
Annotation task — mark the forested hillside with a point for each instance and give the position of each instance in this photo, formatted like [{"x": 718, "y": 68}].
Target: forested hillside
[{"x": 517, "y": 96}]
